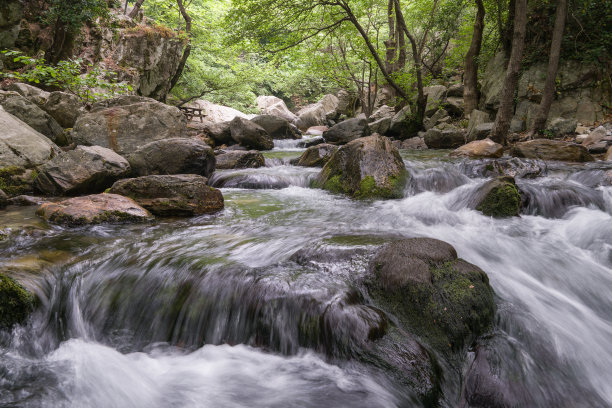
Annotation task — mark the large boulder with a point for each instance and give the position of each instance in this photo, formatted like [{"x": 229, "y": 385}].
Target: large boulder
[
  {"x": 454, "y": 106},
  {"x": 435, "y": 95},
  {"x": 317, "y": 156},
  {"x": 444, "y": 137},
  {"x": 479, "y": 149},
  {"x": 16, "y": 303},
  {"x": 330, "y": 104},
  {"x": 595, "y": 136},
  {"x": 22, "y": 146},
  {"x": 126, "y": 123},
  {"x": 446, "y": 300},
  {"x": 93, "y": 209},
  {"x": 220, "y": 133},
  {"x": 219, "y": 113},
  {"x": 382, "y": 113},
  {"x": 237, "y": 159},
  {"x": 476, "y": 118},
  {"x": 271, "y": 105},
  {"x": 65, "y": 108},
  {"x": 497, "y": 198},
  {"x": 250, "y": 135},
  {"x": 34, "y": 94},
  {"x": 11, "y": 12},
  {"x": 369, "y": 167},
  {"x": 311, "y": 115},
  {"x": 31, "y": 114},
  {"x": 347, "y": 131},
  {"x": 277, "y": 127},
  {"x": 86, "y": 169},
  {"x": 178, "y": 195},
  {"x": 173, "y": 156},
  {"x": 380, "y": 126},
  {"x": 551, "y": 150},
  {"x": 402, "y": 125}
]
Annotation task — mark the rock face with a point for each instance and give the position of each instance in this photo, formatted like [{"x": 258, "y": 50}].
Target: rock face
[
  {"x": 480, "y": 149},
  {"x": 65, "y": 108},
  {"x": 498, "y": 198},
  {"x": 347, "y": 131},
  {"x": 11, "y": 12},
  {"x": 173, "y": 156},
  {"x": 31, "y": 114},
  {"x": 317, "y": 156},
  {"x": 240, "y": 160},
  {"x": 126, "y": 123},
  {"x": 446, "y": 300},
  {"x": 87, "y": 169},
  {"x": 93, "y": 209},
  {"x": 22, "y": 146},
  {"x": 271, "y": 105},
  {"x": 447, "y": 137},
  {"x": 551, "y": 150},
  {"x": 250, "y": 135},
  {"x": 180, "y": 195},
  {"x": 277, "y": 127},
  {"x": 369, "y": 167},
  {"x": 16, "y": 303}
]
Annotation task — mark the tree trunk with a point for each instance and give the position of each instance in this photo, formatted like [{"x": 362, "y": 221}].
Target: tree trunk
[
  {"x": 504, "y": 114},
  {"x": 470, "y": 85},
  {"x": 553, "y": 65},
  {"x": 135, "y": 9},
  {"x": 187, "y": 51}
]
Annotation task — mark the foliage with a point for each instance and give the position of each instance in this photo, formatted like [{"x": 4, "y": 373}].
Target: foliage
[
  {"x": 93, "y": 85},
  {"x": 74, "y": 13}
]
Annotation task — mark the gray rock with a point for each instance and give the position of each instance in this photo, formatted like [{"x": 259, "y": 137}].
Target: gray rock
[
  {"x": 271, "y": 105},
  {"x": 3, "y": 199},
  {"x": 87, "y": 169},
  {"x": 493, "y": 82},
  {"x": 380, "y": 126},
  {"x": 436, "y": 118},
  {"x": 454, "y": 106},
  {"x": 239, "y": 160},
  {"x": 551, "y": 150},
  {"x": 476, "y": 118},
  {"x": 382, "y": 113},
  {"x": 126, "y": 123},
  {"x": 517, "y": 125},
  {"x": 402, "y": 127},
  {"x": 347, "y": 131},
  {"x": 480, "y": 149},
  {"x": 562, "y": 126},
  {"x": 446, "y": 138},
  {"x": 22, "y": 146},
  {"x": 65, "y": 108},
  {"x": 483, "y": 131},
  {"x": 173, "y": 156},
  {"x": 220, "y": 133},
  {"x": 595, "y": 136},
  {"x": 435, "y": 95},
  {"x": 250, "y": 135},
  {"x": 312, "y": 115},
  {"x": 172, "y": 195},
  {"x": 27, "y": 111},
  {"x": 36, "y": 95},
  {"x": 455, "y": 90},
  {"x": 11, "y": 12},
  {"x": 317, "y": 156},
  {"x": 599, "y": 147},
  {"x": 277, "y": 127}
]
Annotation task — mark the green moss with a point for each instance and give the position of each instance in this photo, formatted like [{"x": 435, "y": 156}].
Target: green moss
[
  {"x": 334, "y": 185},
  {"x": 502, "y": 201},
  {"x": 16, "y": 303},
  {"x": 11, "y": 182},
  {"x": 369, "y": 189}
]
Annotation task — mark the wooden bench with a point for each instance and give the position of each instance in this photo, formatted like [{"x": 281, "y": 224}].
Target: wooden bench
[{"x": 191, "y": 113}]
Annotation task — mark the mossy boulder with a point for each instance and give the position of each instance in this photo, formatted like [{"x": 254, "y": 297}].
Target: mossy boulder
[
  {"x": 445, "y": 300},
  {"x": 498, "y": 198},
  {"x": 16, "y": 180},
  {"x": 317, "y": 156},
  {"x": 16, "y": 303},
  {"x": 369, "y": 167}
]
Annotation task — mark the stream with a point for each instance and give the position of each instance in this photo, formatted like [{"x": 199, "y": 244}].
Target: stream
[{"x": 210, "y": 311}]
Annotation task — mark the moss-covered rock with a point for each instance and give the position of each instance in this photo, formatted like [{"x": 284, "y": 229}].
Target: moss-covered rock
[
  {"x": 498, "y": 198},
  {"x": 16, "y": 303},
  {"x": 15, "y": 180},
  {"x": 369, "y": 167},
  {"x": 445, "y": 300}
]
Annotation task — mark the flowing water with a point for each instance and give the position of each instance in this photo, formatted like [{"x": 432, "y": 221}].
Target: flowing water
[{"x": 217, "y": 311}]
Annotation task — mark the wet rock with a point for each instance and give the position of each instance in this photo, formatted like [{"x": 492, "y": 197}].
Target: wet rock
[
  {"x": 87, "y": 169},
  {"x": 271, "y": 105},
  {"x": 16, "y": 303},
  {"x": 240, "y": 160},
  {"x": 93, "y": 209},
  {"x": 506, "y": 166},
  {"x": 173, "y": 156},
  {"x": 166, "y": 195},
  {"x": 250, "y": 135},
  {"x": 402, "y": 125},
  {"x": 277, "y": 127},
  {"x": 444, "y": 137},
  {"x": 498, "y": 198},
  {"x": 347, "y": 131},
  {"x": 551, "y": 150},
  {"x": 445, "y": 300},
  {"x": 65, "y": 108},
  {"x": 31, "y": 114},
  {"x": 369, "y": 167},
  {"x": 317, "y": 156},
  {"x": 22, "y": 146},
  {"x": 476, "y": 118},
  {"x": 479, "y": 149},
  {"x": 126, "y": 123}
]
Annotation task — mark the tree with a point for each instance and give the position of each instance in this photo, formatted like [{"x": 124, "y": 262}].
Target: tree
[
  {"x": 470, "y": 89},
  {"x": 504, "y": 114},
  {"x": 187, "y": 50},
  {"x": 551, "y": 73}
]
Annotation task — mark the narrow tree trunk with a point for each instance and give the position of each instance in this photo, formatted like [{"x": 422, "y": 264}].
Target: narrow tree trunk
[
  {"x": 504, "y": 114},
  {"x": 391, "y": 43},
  {"x": 553, "y": 65},
  {"x": 187, "y": 50},
  {"x": 470, "y": 83},
  {"x": 135, "y": 9}
]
